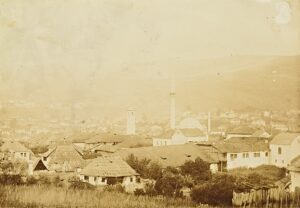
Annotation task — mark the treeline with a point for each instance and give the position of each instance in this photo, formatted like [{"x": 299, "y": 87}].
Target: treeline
[{"x": 205, "y": 187}]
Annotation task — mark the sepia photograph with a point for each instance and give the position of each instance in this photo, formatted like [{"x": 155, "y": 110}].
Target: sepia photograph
[{"x": 150, "y": 103}]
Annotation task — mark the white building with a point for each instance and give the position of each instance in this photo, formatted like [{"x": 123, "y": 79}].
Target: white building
[
  {"x": 180, "y": 136},
  {"x": 244, "y": 152},
  {"x": 294, "y": 169},
  {"x": 284, "y": 147},
  {"x": 17, "y": 150}
]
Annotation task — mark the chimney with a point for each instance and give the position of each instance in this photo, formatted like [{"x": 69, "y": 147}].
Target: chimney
[{"x": 130, "y": 122}]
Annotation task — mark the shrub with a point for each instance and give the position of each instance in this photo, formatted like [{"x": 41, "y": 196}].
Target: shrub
[
  {"x": 198, "y": 170},
  {"x": 217, "y": 191},
  {"x": 145, "y": 167},
  {"x": 80, "y": 185},
  {"x": 8, "y": 179},
  {"x": 169, "y": 184},
  {"x": 114, "y": 188}
]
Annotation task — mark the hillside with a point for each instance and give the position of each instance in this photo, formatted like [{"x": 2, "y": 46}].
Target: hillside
[{"x": 232, "y": 82}]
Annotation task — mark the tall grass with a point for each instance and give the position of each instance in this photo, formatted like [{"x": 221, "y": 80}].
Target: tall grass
[{"x": 50, "y": 196}]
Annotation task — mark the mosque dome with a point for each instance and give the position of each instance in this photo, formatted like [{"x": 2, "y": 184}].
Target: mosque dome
[{"x": 190, "y": 123}]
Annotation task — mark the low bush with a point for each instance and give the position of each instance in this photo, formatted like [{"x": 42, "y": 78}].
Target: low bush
[{"x": 80, "y": 185}]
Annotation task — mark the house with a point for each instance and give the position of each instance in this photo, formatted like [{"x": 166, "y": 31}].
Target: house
[
  {"x": 18, "y": 150},
  {"x": 64, "y": 158},
  {"x": 294, "y": 169},
  {"x": 108, "y": 171},
  {"x": 180, "y": 136},
  {"x": 175, "y": 155},
  {"x": 284, "y": 147},
  {"x": 244, "y": 152},
  {"x": 240, "y": 131}
]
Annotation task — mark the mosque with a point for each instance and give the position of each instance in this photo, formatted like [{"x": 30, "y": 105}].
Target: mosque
[{"x": 189, "y": 130}]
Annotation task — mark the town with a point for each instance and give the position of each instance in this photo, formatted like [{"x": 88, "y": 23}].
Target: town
[
  {"x": 150, "y": 104},
  {"x": 100, "y": 155}
]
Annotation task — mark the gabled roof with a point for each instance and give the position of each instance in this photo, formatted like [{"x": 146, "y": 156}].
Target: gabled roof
[
  {"x": 14, "y": 146},
  {"x": 65, "y": 157},
  {"x": 238, "y": 145},
  {"x": 285, "y": 138},
  {"x": 295, "y": 164},
  {"x": 173, "y": 155},
  {"x": 108, "y": 167}
]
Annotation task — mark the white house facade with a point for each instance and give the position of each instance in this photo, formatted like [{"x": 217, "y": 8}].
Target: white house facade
[{"x": 284, "y": 147}]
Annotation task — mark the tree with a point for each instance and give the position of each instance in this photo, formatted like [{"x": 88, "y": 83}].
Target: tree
[
  {"x": 198, "y": 170},
  {"x": 170, "y": 184},
  {"x": 145, "y": 167},
  {"x": 218, "y": 191}
]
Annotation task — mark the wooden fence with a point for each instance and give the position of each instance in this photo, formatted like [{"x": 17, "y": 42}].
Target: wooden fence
[{"x": 266, "y": 198}]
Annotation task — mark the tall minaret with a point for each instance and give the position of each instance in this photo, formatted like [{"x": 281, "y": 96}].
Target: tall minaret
[
  {"x": 130, "y": 122},
  {"x": 172, "y": 106}
]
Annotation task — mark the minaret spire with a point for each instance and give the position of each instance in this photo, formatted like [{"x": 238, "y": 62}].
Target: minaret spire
[{"x": 172, "y": 105}]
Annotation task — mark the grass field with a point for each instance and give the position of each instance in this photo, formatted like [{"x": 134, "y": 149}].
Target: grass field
[{"x": 49, "y": 196}]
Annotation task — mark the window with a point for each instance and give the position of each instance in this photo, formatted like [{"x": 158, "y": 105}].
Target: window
[
  {"x": 86, "y": 178},
  {"x": 131, "y": 179},
  {"x": 21, "y": 153},
  {"x": 233, "y": 156},
  {"x": 256, "y": 154},
  {"x": 45, "y": 158},
  {"x": 95, "y": 179},
  {"x": 24, "y": 154},
  {"x": 279, "y": 150},
  {"x": 245, "y": 155},
  {"x": 267, "y": 154},
  {"x": 103, "y": 180}
]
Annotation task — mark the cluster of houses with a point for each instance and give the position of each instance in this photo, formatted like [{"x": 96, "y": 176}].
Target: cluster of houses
[{"x": 237, "y": 149}]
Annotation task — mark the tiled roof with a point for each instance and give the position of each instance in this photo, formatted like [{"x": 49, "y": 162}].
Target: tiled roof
[
  {"x": 65, "y": 155},
  {"x": 236, "y": 145},
  {"x": 108, "y": 167},
  {"x": 285, "y": 138},
  {"x": 173, "y": 155}
]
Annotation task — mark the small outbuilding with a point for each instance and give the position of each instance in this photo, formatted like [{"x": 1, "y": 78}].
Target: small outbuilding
[{"x": 294, "y": 169}]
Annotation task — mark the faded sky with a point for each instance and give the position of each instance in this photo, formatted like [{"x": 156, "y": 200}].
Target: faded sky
[{"x": 110, "y": 34}]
